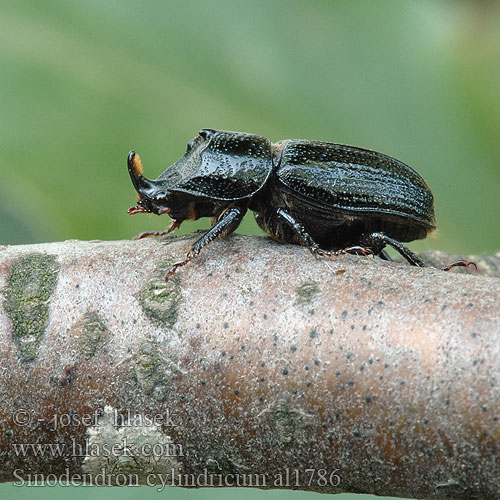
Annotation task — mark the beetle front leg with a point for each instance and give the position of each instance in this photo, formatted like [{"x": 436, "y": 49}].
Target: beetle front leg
[
  {"x": 173, "y": 225},
  {"x": 227, "y": 222},
  {"x": 314, "y": 248}
]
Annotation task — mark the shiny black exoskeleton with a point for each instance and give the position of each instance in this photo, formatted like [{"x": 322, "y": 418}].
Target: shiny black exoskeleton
[{"x": 332, "y": 198}]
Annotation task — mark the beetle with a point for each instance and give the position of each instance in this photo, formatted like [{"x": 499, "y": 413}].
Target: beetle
[{"x": 332, "y": 198}]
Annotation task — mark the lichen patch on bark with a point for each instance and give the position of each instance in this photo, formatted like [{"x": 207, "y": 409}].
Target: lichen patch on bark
[
  {"x": 306, "y": 292},
  {"x": 153, "y": 370},
  {"x": 92, "y": 333},
  {"x": 159, "y": 299},
  {"x": 31, "y": 283},
  {"x": 288, "y": 422}
]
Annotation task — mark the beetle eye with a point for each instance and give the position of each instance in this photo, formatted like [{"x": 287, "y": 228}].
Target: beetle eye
[{"x": 206, "y": 132}]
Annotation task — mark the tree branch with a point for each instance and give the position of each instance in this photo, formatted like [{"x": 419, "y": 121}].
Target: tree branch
[{"x": 255, "y": 365}]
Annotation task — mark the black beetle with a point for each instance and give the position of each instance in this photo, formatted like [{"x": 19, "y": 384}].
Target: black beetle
[{"x": 332, "y": 198}]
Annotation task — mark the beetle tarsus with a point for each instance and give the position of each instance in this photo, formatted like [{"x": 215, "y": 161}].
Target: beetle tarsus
[
  {"x": 460, "y": 263},
  {"x": 145, "y": 234},
  {"x": 176, "y": 266},
  {"x": 355, "y": 250}
]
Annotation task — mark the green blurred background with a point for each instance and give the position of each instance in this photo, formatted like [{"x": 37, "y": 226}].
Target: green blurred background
[{"x": 83, "y": 82}]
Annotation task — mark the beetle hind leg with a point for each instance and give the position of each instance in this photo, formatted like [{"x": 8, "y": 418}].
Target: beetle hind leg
[{"x": 377, "y": 242}]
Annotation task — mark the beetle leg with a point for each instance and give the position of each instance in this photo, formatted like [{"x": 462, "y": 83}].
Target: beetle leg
[
  {"x": 314, "y": 248},
  {"x": 298, "y": 228},
  {"x": 459, "y": 263},
  {"x": 173, "y": 225},
  {"x": 384, "y": 256},
  {"x": 228, "y": 221},
  {"x": 377, "y": 242},
  {"x": 355, "y": 250}
]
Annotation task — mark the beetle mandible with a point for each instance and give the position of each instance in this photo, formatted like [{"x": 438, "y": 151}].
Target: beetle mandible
[{"x": 332, "y": 198}]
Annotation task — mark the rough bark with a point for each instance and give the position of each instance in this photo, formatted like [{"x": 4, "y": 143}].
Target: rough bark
[{"x": 255, "y": 365}]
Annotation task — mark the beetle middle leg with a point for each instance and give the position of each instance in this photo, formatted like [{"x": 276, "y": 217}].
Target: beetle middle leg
[
  {"x": 314, "y": 248},
  {"x": 227, "y": 222}
]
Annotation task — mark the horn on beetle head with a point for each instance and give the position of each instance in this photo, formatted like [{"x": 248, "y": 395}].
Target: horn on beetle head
[{"x": 142, "y": 185}]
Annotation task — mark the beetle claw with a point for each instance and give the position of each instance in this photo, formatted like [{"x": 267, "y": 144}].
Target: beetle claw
[
  {"x": 460, "y": 263},
  {"x": 175, "y": 267}
]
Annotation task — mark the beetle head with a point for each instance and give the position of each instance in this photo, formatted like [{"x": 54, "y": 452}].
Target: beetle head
[
  {"x": 157, "y": 196},
  {"x": 153, "y": 198},
  {"x": 218, "y": 166}
]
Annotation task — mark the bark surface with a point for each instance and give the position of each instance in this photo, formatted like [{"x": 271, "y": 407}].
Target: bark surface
[{"x": 255, "y": 365}]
